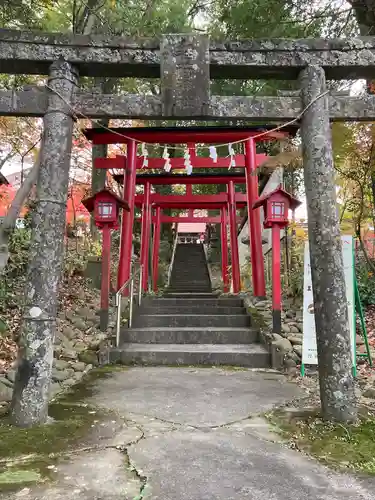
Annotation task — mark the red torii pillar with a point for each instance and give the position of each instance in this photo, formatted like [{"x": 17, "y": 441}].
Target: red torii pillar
[
  {"x": 126, "y": 243},
  {"x": 189, "y": 191},
  {"x": 236, "y": 277},
  {"x": 224, "y": 249},
  {"x": 255, "y": 230},
  {"x": 155, "y": 249},
  {"x": 145, "y": 235}
]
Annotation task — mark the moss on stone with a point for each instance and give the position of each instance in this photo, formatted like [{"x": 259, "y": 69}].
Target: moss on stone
[
  {"x": 257, "y": 317},
  {"x": 337, "y": 445},
  {"x": 12, "y": 478},
  {"x": 30, "y": 453}
]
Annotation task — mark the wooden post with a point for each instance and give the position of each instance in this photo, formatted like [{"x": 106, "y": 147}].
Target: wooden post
[
  {"x": 327, "y": 270},
  {"x": 276, "y": 280},
  {"x": 236, "y": 278},
  {"x": 255, "y": 229},
  {"x": 31, "y": 388},
  {"x": 155, "y": 250},
  {"x": 224, "y": 249},
  {"x": 106, "y": 278},
  {"x": 127, "y": 217}
]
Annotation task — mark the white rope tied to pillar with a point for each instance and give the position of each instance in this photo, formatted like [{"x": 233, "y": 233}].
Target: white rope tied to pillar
[
  {"x": 187, "y": 162},
  {"x": 213, "y": 153},
  {"x": 145, "y": 155},
  {"x": 167, "y": 164},
  {"x": 232, "y": 162}
]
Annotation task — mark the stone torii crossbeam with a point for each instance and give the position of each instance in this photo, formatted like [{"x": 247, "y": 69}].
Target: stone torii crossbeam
[
  {"x": 185, "y": 64},
  {"x": 171, "y": 57}
]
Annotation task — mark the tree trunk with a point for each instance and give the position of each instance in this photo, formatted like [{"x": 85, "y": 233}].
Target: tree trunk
[
  {"x": 327, "y": 270},
  {"x": 13, "y": 212},
  {"x": 30, "y": 396}
]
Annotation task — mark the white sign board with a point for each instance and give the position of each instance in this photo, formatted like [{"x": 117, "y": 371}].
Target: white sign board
[{"x": 309, "y": 349}]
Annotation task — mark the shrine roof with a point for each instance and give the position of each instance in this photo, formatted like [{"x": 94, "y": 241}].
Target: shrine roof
[{"x": 184, "y": 135}]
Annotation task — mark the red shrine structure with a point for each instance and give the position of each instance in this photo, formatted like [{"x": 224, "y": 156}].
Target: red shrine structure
[{"x": 229, "y": 171}]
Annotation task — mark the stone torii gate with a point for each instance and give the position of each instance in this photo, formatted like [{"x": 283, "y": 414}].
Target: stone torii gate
[{"x": 185, "y": 64}]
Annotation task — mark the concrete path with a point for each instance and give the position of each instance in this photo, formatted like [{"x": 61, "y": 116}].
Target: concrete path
[{"x": 194, "y": 434}]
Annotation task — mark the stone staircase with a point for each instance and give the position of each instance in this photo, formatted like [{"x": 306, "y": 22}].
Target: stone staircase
[
  {"x": 190, "y": 271},
  {"x": 190, "y": 325}
]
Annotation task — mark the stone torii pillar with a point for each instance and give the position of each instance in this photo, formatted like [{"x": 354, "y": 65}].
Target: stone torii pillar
[
  {"x": 30, "y": 396},
  {"x": 327, "y": 270}
]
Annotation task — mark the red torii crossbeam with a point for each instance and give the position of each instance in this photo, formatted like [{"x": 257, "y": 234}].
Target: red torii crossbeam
[
  {"x": 120, "y": 162},
  {"x": 185, "y": 135},
  {"x": 176, "y": 219}
]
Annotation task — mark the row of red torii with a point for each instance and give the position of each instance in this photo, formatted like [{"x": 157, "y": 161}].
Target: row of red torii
[{"x": 152, "y": 204}]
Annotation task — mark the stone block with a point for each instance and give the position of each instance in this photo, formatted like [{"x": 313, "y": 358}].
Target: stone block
[
  {"x": 59, "y": 375},
  {"x": 5, "y": 393},
  {"x": 89, "y": 357},
  {"x": 79, "y": 366},
  {"x": 277, "y": 357},
  {"x": 68, "y": 332},
  {"x": 11, "y": 375},
  {"x": 185, "y": 75},
  {"x": 5, "y": 381},
  {"x": 60, "y": 364}
]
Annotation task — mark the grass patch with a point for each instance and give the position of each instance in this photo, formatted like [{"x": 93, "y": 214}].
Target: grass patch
[{"x": 337, "y": 445}]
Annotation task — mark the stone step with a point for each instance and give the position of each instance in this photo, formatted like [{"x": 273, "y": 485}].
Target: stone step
[
  {"x": 191, "y": 279},
  {"x": 191, "y": 309},
  {"x": 190, "y": 335},
  {"x": 192, "y": 320},
  {"x": 186, "y": 284},
  {"x": 189, "y": 289},
  {"x": 193, "y": 272},
  {"x": 194, "y": 299},
  {"x": 246, "y": 355}
]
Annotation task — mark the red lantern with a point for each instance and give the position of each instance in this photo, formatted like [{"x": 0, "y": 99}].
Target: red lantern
[
  {"x": 106, "y": 207},
  {"x": 276, "y": 206}
]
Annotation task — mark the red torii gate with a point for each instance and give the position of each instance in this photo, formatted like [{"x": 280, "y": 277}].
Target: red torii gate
[
  {"x": 191, "y": 137},
  {"x": 191, "y": 202}
]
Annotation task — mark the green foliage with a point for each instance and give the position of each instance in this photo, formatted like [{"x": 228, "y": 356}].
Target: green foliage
[
  {"x": 74, "y": 263},
  {"x": 366, "y": 283},
  {"x": 295, "y": 285},
  {"x": 14, "y": 273},
  {"x": 19, "y": 250},
  {"x": 25, "y": 14}
]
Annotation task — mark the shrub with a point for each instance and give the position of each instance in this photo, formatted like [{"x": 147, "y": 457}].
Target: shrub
[{"x": 366, "y": 283}]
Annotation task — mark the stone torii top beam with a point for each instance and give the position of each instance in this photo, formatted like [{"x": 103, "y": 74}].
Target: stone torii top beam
[
  {"x": 33, "y": 102},
  {"x": 97, "y": 55}
]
